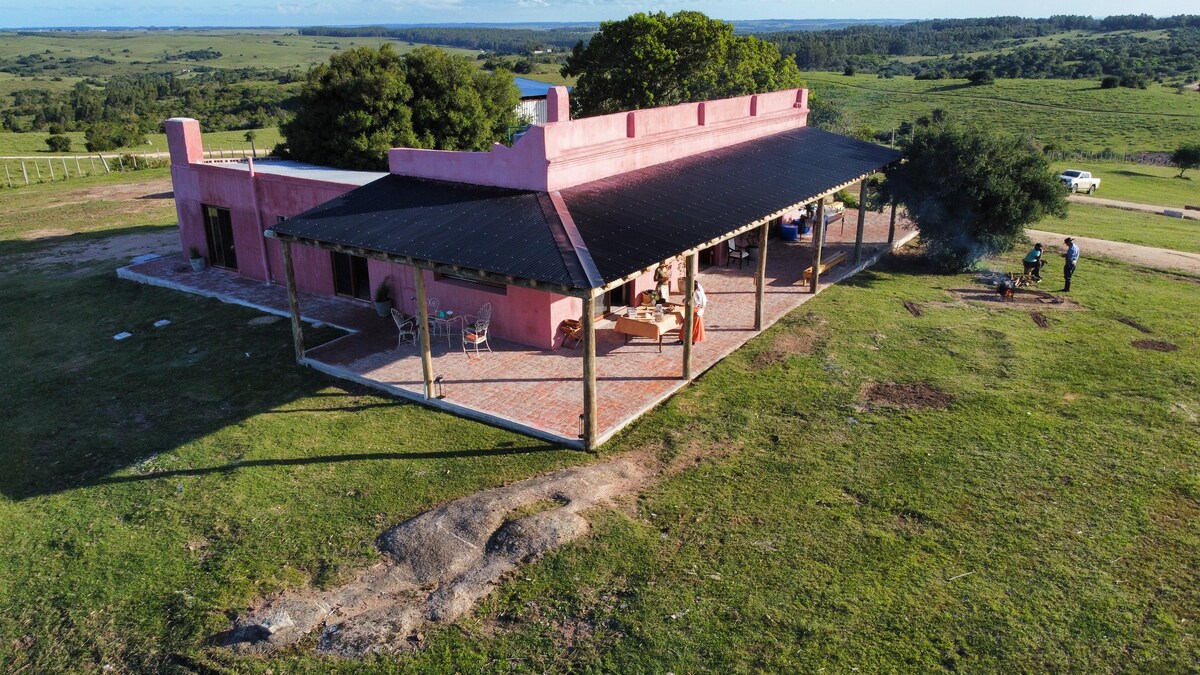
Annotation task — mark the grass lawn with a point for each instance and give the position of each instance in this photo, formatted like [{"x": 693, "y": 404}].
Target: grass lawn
[
  {"x": 1072, "y": 114},
  {"x": 1048, "y": 520},
  {"x": 1140, "y": 183},
  {"x": 1147, "y": 229}
]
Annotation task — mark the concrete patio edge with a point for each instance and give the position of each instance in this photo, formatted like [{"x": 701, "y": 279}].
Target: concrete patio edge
[
  {"x": 462, "y": 411},
  {"x": 128, "y": 274}
]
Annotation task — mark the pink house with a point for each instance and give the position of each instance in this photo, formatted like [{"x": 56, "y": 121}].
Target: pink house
[{"x": 567, "y": 223}]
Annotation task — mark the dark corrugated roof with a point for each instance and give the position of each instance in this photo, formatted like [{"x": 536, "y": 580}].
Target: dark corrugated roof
[
  {"x": 627, "y": 222},
  {"x": 473, "y": 226},
  {"x": 636, "y": 219}
]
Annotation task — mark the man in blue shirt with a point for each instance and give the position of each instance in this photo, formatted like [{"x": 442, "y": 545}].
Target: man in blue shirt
[{"x": 1072, "y": 257}]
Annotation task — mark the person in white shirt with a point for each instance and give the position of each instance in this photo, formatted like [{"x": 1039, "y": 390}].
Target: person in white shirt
[
  {"x": 699, "y": 302},
  {"x": 1072, "y": 257}
]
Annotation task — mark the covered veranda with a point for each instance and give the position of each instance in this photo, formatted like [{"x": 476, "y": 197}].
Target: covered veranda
[{"x": 583, "y": 242}]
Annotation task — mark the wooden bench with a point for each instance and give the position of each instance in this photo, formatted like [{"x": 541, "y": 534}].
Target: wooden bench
[{"x": 827, "y": 263}]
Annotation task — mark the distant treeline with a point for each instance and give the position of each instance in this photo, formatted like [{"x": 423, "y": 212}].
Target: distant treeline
[
  {"x": 126, "y": 106},
  {"x": 877, "y": 48},
  {"x": 502, "y": 40}
]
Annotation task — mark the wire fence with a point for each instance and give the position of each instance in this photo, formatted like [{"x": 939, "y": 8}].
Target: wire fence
[{"x": 20, "y": 172}]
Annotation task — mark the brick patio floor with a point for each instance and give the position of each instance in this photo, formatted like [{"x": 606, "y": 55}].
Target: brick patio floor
[{"x": 540, "y": 392}]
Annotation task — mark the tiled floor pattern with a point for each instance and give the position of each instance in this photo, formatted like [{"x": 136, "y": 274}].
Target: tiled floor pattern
[{"x": 537, "y": 391}]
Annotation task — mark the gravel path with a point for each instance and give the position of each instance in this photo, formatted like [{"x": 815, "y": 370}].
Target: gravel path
[{"x": 1133, "y": 206}]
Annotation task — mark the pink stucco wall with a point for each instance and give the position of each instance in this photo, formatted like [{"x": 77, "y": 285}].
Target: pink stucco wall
[{"x": 558, "y": 155}]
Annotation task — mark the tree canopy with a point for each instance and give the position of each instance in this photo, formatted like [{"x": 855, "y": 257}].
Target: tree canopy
[
  {"x": 366, "y": 101},
  {"x": 1186, "y": 157},
  {"x": 651, "y": 60},
  {"x": 971, "y": 192}
]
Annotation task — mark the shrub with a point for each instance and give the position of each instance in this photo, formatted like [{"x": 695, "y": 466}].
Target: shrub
[
  {"x": 59, "y": 143},
  {"x": 1110, "y": 82},
  {"x": 981, "y": 77}
]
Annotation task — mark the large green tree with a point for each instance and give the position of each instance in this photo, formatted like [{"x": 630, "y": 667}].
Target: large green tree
[
  {"x": 650, "y": 60},
  {"x": 366, "y": 101},
  {"x": 971, "y": 192},
  {"x": 456, "y": 105}
]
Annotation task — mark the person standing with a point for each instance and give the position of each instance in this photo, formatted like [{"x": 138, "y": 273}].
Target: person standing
[
  {"x": 1033, "y": 262},
  {"x": 662, "y": 281},
  {"x": 1071, "y": 257},
  {"x": 699, "y": 302}
]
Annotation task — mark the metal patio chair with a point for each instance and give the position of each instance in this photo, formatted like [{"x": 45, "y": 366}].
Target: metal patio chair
[
  {"x": 475, "y": 329},
  {"x": 407, "y": 326}
]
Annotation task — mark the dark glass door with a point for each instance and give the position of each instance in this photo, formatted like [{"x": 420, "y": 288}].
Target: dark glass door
[
  {"x": 615, "y": 300},
  {"x": 350, "y": 276},
  {"x": 218, "y": 230}
]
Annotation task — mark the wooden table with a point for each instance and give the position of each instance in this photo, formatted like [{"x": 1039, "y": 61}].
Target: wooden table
[{"x": 644, "y": 325}]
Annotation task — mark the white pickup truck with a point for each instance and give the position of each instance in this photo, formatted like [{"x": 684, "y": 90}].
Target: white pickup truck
[{"x": 1079, "y": 181}]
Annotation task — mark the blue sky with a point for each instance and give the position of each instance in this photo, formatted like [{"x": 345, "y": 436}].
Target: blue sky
[{"x": 22, "y": 13}]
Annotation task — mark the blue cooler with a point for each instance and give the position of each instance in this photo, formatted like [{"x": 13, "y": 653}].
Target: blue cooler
[{"x": 789, "y": 231}]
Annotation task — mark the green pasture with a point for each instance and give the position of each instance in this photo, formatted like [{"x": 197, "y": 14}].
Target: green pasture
[
  {"x": 1071, "y": 114},
  {"x": 33, "y": 143},
  {"x": 1141, "y": 183},
  {"x": 144, "y": 50},
  {"x": 1047, "y": 520},
  {"x": 1133, "y": 227}
]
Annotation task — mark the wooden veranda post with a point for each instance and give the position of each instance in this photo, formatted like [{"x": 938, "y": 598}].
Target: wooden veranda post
[
  {"x": 689, "y": 315},
  {"x": 423, "y": 331},
  {"x": 589, "y": 373},
  {"x": 293, "y": 301},
  {"x": 818, "y": 243},
  {"x": 760, "y": 276},
  {"x": 862, "y": 220},
  {"x": 892, "y": 225}
]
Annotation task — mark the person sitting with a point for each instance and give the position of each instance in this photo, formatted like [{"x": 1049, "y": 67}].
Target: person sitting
[{"x": 1034, "y": 262}]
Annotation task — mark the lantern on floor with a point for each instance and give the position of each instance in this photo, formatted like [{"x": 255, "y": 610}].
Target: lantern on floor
[{"x": 439, "y": 387}]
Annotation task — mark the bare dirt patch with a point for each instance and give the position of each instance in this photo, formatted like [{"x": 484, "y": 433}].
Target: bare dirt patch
[
  {"x": 1155, "y": 345},
  {"x": 920, "y": 396},
  {"x": 801, "y": 339},
  {"x": 1022, "y": 298},
  {"x": 1130, "y": 322},
  {"x": 108, "y": 248}
]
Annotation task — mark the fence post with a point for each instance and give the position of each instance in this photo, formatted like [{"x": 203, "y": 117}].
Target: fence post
[
  {"x": 120, "y": 163},
  {"x": 105, "y": 163},
  {"x": 8, "y": 175},
  {"x": 78, "y": 169},
  {"x": 66, "y": 174},
  {"x": 50, "y": 165},
  {"x": 25, "y": 172},
  {"x": 38, "y": 171}
]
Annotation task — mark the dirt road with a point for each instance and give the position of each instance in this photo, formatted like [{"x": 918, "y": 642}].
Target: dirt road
[
  {"x": 1134, "y": 206},
  {"x": 1149, "y": 256}
]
